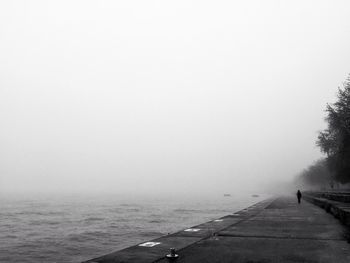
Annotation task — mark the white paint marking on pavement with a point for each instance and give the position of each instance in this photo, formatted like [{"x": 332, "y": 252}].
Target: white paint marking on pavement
[
  {"x": 192, "y": 230},
  {"x": 149, "y": 244}
]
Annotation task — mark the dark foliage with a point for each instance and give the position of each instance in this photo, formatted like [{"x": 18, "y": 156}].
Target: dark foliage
[{"x": 335, "y": 140}]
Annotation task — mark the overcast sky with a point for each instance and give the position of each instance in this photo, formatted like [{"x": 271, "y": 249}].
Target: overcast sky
[{"x": 154, "y": 96}]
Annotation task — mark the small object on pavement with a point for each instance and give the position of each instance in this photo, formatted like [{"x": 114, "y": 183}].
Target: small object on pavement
[{"x": 172, "y": 254}]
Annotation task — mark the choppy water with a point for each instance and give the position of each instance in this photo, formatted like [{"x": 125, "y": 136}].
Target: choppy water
[{"x": 77, "y": 228}]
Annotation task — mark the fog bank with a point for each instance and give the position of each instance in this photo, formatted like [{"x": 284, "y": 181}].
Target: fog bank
[{"x": 157, "y": 96}]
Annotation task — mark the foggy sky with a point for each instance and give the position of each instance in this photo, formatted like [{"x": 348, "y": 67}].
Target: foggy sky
[{"x": 157, "y": 96}]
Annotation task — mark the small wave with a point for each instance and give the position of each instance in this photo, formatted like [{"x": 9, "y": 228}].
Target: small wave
[
  {"x": 132, "y": 209},
  {"x": 77, "y": 238},
  {"x": 36, "y": 223},
  {"x": 180, "y": 210},
  {"x": 93, "y": 219},
  {"x": 53, "y": 222},
  {"x": 10, "y": 236},
  {"x": 115, "y": 210},
  {"x": 56, "y": 213},
  {"x": 157, "y": 221},
  {"x": 43, "y": 222},
  {"x": 129, "y": 205},
  {"x": 126, "y": 205},
  {"x": 82, "y": 237},
  {"x": 30, "y": 213}
]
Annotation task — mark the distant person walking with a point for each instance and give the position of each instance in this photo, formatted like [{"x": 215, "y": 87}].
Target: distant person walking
[{"x": 299, "y": 196}]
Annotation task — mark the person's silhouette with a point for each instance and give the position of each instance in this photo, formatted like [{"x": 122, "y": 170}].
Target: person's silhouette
[{"x": 299, "y": 196}]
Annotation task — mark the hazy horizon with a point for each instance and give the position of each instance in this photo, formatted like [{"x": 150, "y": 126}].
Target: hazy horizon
[{"x": 157, "y": 96}]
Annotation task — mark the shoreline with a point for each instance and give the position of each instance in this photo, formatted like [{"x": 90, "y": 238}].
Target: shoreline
[{"x": 155, "y": 249}]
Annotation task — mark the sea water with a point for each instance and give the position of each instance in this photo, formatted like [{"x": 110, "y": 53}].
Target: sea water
[{"x": 74, "y": 228}]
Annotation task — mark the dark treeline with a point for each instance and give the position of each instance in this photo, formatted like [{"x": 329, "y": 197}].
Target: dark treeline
[
  {"x": 317, "y": 176},
  {"x": 334, "y": 141}
]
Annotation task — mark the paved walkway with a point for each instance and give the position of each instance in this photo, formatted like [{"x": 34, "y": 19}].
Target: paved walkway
[{"x": 282, "y": 232}]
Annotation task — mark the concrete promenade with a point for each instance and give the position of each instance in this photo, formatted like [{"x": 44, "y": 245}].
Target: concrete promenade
[{"x": 277, "y": 230}]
